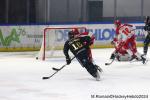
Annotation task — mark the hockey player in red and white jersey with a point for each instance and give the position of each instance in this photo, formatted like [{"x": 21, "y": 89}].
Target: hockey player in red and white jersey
[
  {"x": 120, "y": 52},
  {"x": 126, "y": 38}
]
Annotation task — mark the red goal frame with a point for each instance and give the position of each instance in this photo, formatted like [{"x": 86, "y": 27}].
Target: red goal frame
[{"x": 50, "y": 28}]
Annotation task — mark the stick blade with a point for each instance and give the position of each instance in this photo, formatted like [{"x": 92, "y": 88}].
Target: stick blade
[
  {"x": 56, "y": 69},
  {"x": 45, "y": 78}
]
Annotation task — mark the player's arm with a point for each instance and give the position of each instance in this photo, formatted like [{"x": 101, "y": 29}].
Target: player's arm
[
  {"x": 66, "y": 50},
  {"x": 92, "y": 38},
  {"x": 87, "y": 41},
  {"x": 117, "y": 36},
  {"x": 91, "y": 35},
  {"x": 128, "y": 25}
]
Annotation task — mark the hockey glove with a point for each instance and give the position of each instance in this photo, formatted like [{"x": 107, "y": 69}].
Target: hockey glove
[
  {"x": 114, "y": 41},
  {"x": 68, "y": 60}
]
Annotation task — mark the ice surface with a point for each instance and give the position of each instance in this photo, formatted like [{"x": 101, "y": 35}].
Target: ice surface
[{"x": 21, "y": 78}]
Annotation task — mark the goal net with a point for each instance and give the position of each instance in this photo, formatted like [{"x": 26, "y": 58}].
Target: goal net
[{"x": 53, "y": 41}]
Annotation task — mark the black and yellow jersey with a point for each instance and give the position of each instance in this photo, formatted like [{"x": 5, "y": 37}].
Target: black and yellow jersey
[{"x": 77, "y": 45}]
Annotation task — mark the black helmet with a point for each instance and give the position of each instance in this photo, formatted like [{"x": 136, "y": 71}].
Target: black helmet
[{"x": 71, "y": 35}]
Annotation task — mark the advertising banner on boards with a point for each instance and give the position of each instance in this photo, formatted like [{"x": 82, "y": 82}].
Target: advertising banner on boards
[{"x": 30, "y": 37}]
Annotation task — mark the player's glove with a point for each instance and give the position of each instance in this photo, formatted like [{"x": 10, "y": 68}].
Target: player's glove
[
  {"x": 68, "y": 60},
  {"x": 114, "y": 41}
]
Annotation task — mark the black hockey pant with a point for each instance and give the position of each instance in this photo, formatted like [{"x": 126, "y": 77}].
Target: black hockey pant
[
  {"x": 146, "y": 43},
  {"x": 85, "y": 61}
]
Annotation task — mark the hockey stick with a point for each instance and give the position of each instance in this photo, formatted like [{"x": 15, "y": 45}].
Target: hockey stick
[
  {"x": 111, "y": 61},
  {"x": 116, "y": 53},
  {"x": 57, "y": 70}
]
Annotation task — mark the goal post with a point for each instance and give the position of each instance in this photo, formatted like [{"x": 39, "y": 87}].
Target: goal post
[{"x": 53, "y": 41}]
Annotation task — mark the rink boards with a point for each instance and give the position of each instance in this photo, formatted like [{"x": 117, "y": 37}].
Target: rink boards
[{"x": 29, "y": 37}]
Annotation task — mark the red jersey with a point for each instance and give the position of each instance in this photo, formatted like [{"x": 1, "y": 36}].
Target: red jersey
[{"x": 124, "y": 32}]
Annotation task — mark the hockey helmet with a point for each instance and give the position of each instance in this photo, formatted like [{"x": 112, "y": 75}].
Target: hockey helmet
[
  {"x": 75, "y": 31},
  {"x": 70, "y": 34},
  {"x": 117, "y": 23}
]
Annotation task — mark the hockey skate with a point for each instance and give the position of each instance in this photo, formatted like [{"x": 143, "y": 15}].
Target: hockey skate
[
  {"x": 143, "y": 59},
  {"x": 98, "y": 68},
  {"x": 133, "y": 57},
  {"x": 98, "y": 75}
]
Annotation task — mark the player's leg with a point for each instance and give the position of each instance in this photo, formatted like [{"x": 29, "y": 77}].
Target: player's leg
[
  {"x": 127, "y": 47},
  {"x": 145, "y": 48},
  {"x": 146, "y": 43},
  {"x": 90, "y": 55},
  {"x": 93, "y": 70},
  {"x": 90, "y": 67},
  {"x": 132, "y": 49},
  {"x": 138, "y": 55}
]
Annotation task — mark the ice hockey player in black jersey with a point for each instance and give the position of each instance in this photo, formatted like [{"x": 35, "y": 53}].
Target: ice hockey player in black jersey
[
  {"x": 147, "y": 39},
  {"x": 79, "y": 47}
]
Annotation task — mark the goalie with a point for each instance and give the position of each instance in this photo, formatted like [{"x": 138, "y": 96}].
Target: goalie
[{"x": 79, "y": 46}]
